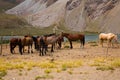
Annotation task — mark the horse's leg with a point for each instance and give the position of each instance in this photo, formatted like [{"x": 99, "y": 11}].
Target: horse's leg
[
  {"x": 20, "y": 49},
  {"x": 23, "y": 49},
  {"x": 12, "y": 49},
  {"x": 28, "y": 48},
  {"x": 71, "y": 44},
  {"x": 101, "y": 42},
  {"x": 81, "y": 43},
  {"x": 108, "y": 43},
  {"x": 37, "y": 47},
  {"x": 31, "y": 48},
  {"x": 44, "y": 50},
  {"x": 46, "y": 47},
  {"x": 40, "y": 50},
  {"x": 52, "y": 48},
  {"x": 111, "y": 43},
  {"x": 59, "y": 44}
]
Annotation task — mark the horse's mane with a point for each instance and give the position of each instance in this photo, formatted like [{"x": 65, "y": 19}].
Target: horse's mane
[{"x": 65, "y": 33}]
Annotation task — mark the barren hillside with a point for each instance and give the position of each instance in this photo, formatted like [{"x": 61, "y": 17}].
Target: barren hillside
[{"x": 77, "y": 15}]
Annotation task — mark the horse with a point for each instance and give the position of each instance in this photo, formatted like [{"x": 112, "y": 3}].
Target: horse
[
  {"x": 44, "y": 41},
  {"x": 21, "y": 42},
  {"x": 41, "y": 45},
  {"x": 74, "y": 37},
  {"x": 35, "y": 42},
  {"x": 53, "y": 40},
  {"x": 26, "y": 41},
  {"x": 110, "y": 37},
  {"x": 13, "y": 43}
]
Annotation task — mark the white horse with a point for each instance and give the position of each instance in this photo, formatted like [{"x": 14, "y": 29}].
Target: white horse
[{"x": 110, "y": 37}]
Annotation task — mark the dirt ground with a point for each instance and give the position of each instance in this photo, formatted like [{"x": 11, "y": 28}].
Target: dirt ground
[{"x": 85, "y": 72}]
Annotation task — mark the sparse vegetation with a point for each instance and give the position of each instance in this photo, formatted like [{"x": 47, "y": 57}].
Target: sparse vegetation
[
  {"x": 103, "y": 68},
  {"x": 70, "y": 71},
  {"x": 2, "y": 74},
  {"x": 93, "y": 43},
  {"x": 106, "y": 64},
  {"x": 44, "y": 77},
  {"x": 47, "y": 71}
]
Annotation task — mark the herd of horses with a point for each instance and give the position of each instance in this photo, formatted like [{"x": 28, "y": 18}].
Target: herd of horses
[{"x": 41, "y": 42}]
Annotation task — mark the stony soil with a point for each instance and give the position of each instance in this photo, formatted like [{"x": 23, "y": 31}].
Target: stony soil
[{"x": 84, "y": 72}]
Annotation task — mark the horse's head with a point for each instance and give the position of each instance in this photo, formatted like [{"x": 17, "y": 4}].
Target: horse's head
[
  {"x": 64, "y": 34},
  {"x": 115, "y": 39}
]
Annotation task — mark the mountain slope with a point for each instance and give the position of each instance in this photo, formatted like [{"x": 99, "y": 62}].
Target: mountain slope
[
  {"x": 77, "y": 15},
  {"x": 7, "y": 4}
]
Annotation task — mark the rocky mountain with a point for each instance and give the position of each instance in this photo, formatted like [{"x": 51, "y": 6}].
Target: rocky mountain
[
  {"x": 77, "y": 15},
  {"x": 7, "y": 4},
  {"x": 13, "y": 1}
]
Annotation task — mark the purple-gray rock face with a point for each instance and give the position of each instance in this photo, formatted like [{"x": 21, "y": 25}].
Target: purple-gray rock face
[{"x": 77, "y": 15}]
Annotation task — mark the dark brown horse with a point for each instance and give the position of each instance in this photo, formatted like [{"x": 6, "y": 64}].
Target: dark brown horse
[
  {"x": 21, "y": 42},
  {"x": 41, "y": 45},
  {"x": 13, "y": 43},
  {"x": 74, "y": 37}
]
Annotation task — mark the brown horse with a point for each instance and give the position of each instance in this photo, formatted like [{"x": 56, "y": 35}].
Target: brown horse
[
  {"x": 21, "y": 42},
  {"x": 26, "y": 41},
  {"x": 74, "y": 37},
  {"x": 13, "y": 43},
  {"x": 110, "y": 37}
]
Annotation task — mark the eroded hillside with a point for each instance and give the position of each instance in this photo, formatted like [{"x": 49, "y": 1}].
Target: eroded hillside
[{"x": 77, "y": 15}]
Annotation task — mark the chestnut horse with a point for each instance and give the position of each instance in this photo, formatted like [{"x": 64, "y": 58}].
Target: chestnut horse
[
  {"x": 74, "y": 37},
  {"x": 110, "y": 37}
]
